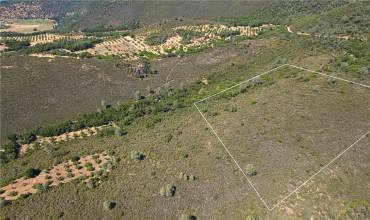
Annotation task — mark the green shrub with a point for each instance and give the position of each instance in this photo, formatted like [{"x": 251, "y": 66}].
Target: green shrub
[
  {"x": 250, "y": 170},
  {"x": 3, "y": 202},
  {"x": 89, "y": 166},
  {"x": 119, "y": 132},
  {"x": 27, "y": 138},
  {"x": 228, "y": 33},
  {"x": 168, "y": 190},
  {"x": 110, "y": 152},
  {"x": 104, "y": 104},
  {"x": 11, "y": 151},
  {"x": 91, "y": 183},
  {"x": 106, "y": 132},
  {"x": 137, "y": 156},
  {"x": 187, "y": 217},
  {"x": 138, "y": 95},
  {"x": 12, "y": 137},
  {"x": 75, "y": 159},
  {"x": 14, "y": 45},
  {"x": 31, "y": 172},
  {"x": 13, "y": 193},
  {"x": 363, "y": 71},
  {"x": 47, "y": 185},
  {"x": 24, "y": 196},
  {"x": 188, "y": 35},
  {"x": 168, "y": 138},
  {"x": 108, "y": 205},
  {"x": 38, "y": 186},
  {"x": 157, "y": 38},
  {"x": 252, "y": 217},
  {"x": 72, "y": 45},
  {"x": 243, "y": 88}
]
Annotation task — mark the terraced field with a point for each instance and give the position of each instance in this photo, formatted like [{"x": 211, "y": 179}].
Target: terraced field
[
  {"x": 130, "y": 47},
  {"x": 44, "y": 38}
]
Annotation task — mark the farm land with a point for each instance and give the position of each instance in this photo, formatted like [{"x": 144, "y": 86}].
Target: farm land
[{"x": 27, "y": 25}]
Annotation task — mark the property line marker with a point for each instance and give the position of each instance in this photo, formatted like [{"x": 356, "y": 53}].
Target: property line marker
[
  {"x": 334, "y": 77},
  {"x": 240, "y": 83},
  {"x": 321, "y": 169},
  {"x": 232, "y": 157}
]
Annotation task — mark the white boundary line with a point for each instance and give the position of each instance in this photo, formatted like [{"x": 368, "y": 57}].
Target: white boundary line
[{"x": 232, "y": 157}]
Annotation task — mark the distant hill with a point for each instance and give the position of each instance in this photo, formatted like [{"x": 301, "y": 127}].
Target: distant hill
[
  {"x": 350, "y": 20},
  {"x": 76, "y": 15},
  {"x": 14, "y": 9}
]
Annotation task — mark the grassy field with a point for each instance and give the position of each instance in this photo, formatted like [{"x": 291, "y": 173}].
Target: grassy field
[
  {"x": 182, "y": 143},
  {"x": 27, "y": 25},
  {"x": 44, "y": 90},
  {"x": 164, "y": 160},
  {"x": 306, "y": 117}
]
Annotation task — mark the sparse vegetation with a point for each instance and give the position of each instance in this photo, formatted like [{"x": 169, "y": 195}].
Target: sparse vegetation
[
  {"x": 257, "y": 120},
  {"x": 168, "y": 190},
  {"x": 250, "y": 170},
  {"x": 108, "y": 205},
  {"x": 137, "y": 156}
]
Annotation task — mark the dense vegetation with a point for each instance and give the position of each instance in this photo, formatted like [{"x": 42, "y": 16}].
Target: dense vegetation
[
  {"x": 352, "y": 20},
  {"x": 188, "y": 35},
  {"x": 157, "y": 38},
  {"x": 72, "y": 45},
  {"x": 131, "y": 25},
  {"x": 14, "y": 45},
  {"x": 281, "y": 11}
]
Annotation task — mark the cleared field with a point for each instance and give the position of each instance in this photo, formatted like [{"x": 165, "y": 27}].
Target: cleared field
[
  {"x": 27, "y": 25},
  {"x": 304, "y": 119}
]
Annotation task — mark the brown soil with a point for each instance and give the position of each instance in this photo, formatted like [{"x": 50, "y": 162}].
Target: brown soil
[{"x": 57, "y": 173}]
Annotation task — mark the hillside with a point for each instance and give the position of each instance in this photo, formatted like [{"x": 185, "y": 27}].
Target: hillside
[
  {"x": 351, "y": 20},
  {"x": 186, "y": 110},
  {"x": 76, "y": 15}
]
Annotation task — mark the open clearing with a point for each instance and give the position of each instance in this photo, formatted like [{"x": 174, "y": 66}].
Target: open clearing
[
  {"x": 27, "y": 25},
  {"x": 304, "y": 119}
]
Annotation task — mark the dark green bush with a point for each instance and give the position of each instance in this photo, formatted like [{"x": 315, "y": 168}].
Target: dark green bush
[
  {"x": 108, "y": 205},
  {"x": 13, "y": 193},
  {"x": 187, "y": 217},
  {"x": 11, "y": 151},
  {"x": 3, "y": 202},
  {"x": 14, "y": 45},
  {"x": 27, "y": 138},
  {"x": 32, "y": 172},
  {"x": 72, "y": 45},
  {"x": 157, "y": 38},
  {"x": 188, "y": 35},
  {"x": 137, "y": 156},
  {"x": 75, "y": 158},
  {"x": 168, "y": 190},
  {"x": 250, "y": 170}
]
